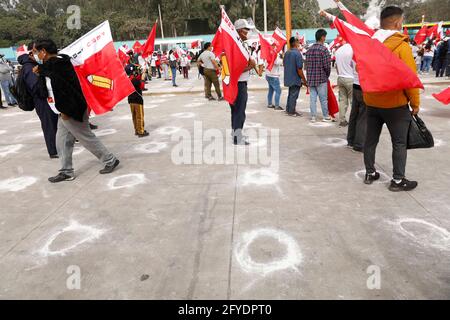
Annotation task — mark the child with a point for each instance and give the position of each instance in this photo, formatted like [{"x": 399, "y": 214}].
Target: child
[{"x": 136, "y": 100}]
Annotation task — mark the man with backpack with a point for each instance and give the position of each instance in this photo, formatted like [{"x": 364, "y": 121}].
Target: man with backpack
[{"x": 35, "y": 88}]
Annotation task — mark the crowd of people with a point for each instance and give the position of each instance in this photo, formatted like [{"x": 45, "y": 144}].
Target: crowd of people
[{"x": 59, "y": 102}]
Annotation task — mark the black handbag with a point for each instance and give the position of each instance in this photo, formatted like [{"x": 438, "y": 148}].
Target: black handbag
[{"x": 419, "y": 137}]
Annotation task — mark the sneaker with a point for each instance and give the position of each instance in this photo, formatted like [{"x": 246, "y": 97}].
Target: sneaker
[
  {"x": 109, "y": 168},
  {"x": 343, "y": 124},
  {"x": 357, "y": 150},
  {"x": 61, "y": 177},
  {"x": 271, "y": 106},
  {"x": 278, "y": 108},
  {"x": 370, "y": 178},
  {"x": 299, "y": 114},
  {"x": 327, "y": 119},
  {"x": 220, "y": 99},
  {"x": 292, "y": 114},
  {"x": 93, "y": 126},
  {"x": 404, "y": 185},
  {"x": 350, "y": 146},
  {"x": 175, "y": 85},
  {"x": 54, "y": 156},
  {"x": 144, "y": 134},
  {"x": 3, "y": 107},
  {"x": 313, "y": 119},
  {"x": 211, "y": 98}
]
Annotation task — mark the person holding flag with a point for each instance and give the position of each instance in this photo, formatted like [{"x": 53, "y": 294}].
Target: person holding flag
[{"x": 66, "y": 98}]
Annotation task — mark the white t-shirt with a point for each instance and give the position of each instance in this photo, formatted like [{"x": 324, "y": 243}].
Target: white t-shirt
[
  {"x": 276, "y": 70},
  {"x": 429, "y": 53},
  {"x": 51, "y": 96},
  {"x": 184, "y": 61},
  {"x": 344, "y": 61}
]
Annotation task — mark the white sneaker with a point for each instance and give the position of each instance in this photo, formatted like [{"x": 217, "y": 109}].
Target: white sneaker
[
  {"x": 327, "y": 119},
  {"x": 313, "y": 119}
]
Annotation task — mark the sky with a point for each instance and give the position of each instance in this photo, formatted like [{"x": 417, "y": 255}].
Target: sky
[{"x": 325, "y": 4}]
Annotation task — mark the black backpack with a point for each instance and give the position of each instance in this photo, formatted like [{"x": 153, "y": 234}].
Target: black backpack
[{"x": 20, "y": 92}]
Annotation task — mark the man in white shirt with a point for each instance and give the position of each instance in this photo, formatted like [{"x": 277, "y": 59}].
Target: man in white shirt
[
  {"x": 207, "y": 61},
  {"x": 344, "y": 66}
]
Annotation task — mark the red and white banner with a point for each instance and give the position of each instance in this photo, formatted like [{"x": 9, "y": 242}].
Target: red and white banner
[
  {"x": 376, "y": 62},
  {"x": 217, "y": 43},
  {"x": 101, "y": 74},
  {"x": 137, "y": 47},
  {"x": 421, "y": 35},
  {"x": 354, "y": 20},
  {"x": 268, "y": 52},
  {"x": 279, "y": 38},
  {"x": 22, "y": 50},
  {"x": 123, "y": 54},
  {"x": 436, "y": 32},
  {"x": 234, "y": 59},
  {"x": 444, "y": 96},
  {"x": 336, "y": 43},
  {"x": 149, "y": 45},
  {"x": 196, "y": 44}
]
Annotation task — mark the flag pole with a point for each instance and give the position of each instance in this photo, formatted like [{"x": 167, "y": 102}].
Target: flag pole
[
  {"x": 265, "y": 17},
  {"x": 160, "y": 20},
  {"x": 287, "y": 14}
]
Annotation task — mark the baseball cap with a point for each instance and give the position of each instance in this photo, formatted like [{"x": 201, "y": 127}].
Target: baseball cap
[{"x": 243, "y": 24}]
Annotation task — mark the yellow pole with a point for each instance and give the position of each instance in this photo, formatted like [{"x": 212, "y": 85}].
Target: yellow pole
[{"x": 287, "y": 14}]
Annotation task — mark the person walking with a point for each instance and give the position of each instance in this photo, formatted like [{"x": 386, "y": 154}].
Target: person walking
[
  {"x": 207, "y": 60},
  {"x": 392, "y": 107},
  {"x": 293, "y": 76},
  {"x": 344, "y": 66},
  {"x": 66, "y": 97},
  {"x": 318, "y": 69}
]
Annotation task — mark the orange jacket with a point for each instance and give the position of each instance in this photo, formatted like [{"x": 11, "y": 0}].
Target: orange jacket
[{"x": 398, "y": 44}]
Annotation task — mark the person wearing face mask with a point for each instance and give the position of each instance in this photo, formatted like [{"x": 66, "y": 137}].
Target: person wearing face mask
[
  {"x": 48, "y": 118},
  {"x": 238, "y": 107},
  {"x": 392, "y": 107},
  {"x": 66, "y": 98}
]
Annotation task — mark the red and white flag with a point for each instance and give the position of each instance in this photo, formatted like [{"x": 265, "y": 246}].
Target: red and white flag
[
  {"x": 101, "y": 75},
  {"x": 333, "y": 106},
  {"x": 436, "y": 32},
  {"x": 444, "y": 96},
  {"x": 268, "y": 52},
  {"x": 123, "y": 54},
  {"x": 196, "y": 44},
  {"x": 21, "y": 50},
  {"x": 149, "y": 45},
  {"x": 137, "y": 47},
  {"x": 376, "y": 62},
  {"x": 217, "y": 43},
  {"x": 336, "y": 43},
  {"x": 421, "y": 35},
  {"x": 280, "y": 39},
  {"x": 235, "y": 57},
  {"x": 354, "y": 20}
]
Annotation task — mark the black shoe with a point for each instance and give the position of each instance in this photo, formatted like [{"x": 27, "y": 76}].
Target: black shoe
[
  {"x": 271, "y": 106},
  {"x": 220, "y": 99},
  {"x": 404, "y": 185},
  {"x": 370, "y": 178},
  {"x": 3, "y": 107},
  {"x": 211, "y": 98},
  {"x": 279, "y": 108},
  {"x": 109, "y": 168},
  {"x": 61, "y": 177},
  {"x": 145, "y": 134},
  {"x": 54, "y": 156},
  {"x": 93, "y": 126},
  {"x": 357, "y": 149},
  {"x": 175, "y": 85}
]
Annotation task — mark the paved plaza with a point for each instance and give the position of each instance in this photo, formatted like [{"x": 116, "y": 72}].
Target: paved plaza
[{"x": 303, "y": 226}]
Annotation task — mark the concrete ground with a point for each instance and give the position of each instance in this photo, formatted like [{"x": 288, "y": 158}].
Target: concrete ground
[{"x": 305, "y": 227}]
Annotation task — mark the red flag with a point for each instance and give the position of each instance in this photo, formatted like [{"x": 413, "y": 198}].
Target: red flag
[
  {"x": 436, "y": 32},
  {"x": 196, "y": 44},
  {"x": 444, "y": 96},
  {"x": 447, "y": 33},
  {"x": 137, "y": 47},
  {"x": 217, "y": 42},
  {"x": 405, "y": 31},
  {"x": 101, "y": 75},
  {"x": 268, "y": 52},
  {"x": 235, "y": 58},
  {"x": 123, "y": 54},
  {"x": 149, "y": 45},
  {"x": 376, "y": 62},
  {"x": 21, "y": 50},
  {"x": 280, "y": 39},
  {"x": 353, "y": 20},
  {"x": 421, "y": 35},
  {"x": 333, "y": 106},
  {"x": 336, "y": 42}
]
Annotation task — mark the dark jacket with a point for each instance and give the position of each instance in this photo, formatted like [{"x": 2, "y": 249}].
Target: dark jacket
[
  {"x": 35, "y": 86},
  {"x": 69, "y": 98},
  {"x": 136, "y": 97}
]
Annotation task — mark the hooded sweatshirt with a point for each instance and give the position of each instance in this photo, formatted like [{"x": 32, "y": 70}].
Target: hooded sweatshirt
[{"x": 398, "y": 44}]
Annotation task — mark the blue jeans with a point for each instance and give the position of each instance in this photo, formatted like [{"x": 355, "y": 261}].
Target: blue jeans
[
  {"x": 8, "y": 96},
  {"x": 174, "y": 75},
  {"x": 291, "y": 103},
  {"x": 427, "y": 63},
  {"x": 322, "y": 91},
  {"x": 274, "y": 87}
]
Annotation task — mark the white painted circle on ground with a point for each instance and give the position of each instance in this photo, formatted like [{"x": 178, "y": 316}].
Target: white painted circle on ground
[
  {"x": 16, "y": 184},
  {"x": 88, "y": 234},
  {"x": 32, "y": 121},
  {"x": 3, "y": 131},
  {"x": 151, "y": 147},
  {"x": 291, "y": 260},
  {"x": 335, "y": 142},
  {"x": 257, "y": 143},
  {"x": 167, "y": 95},
  {"x": 167, "y": 130},
  {"x": 424, "y": 233},
  {"x": 128, "y": 117},
  {"x": 183, "y": 115},
  {"x": 260, "y": 177},
  {"x": 383, "y": 176},
  {"x": 320, "y": 124},
  {"x": 13, "y": 114},
  {"x": 194, "y": 104},
  {"x": 7, "y": 150},
  {"x": 126, "y": 181},
  {"x": 252, "y": 111},
  {"x": 105, "y": 132},
  {"x": 250, "y": 124},
  {"x": 439, "y": 143}
]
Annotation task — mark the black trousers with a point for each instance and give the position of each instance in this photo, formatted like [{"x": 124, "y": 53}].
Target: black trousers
[
  {"x": 49, "y": 125},
  {"x": 357, "y": 126},
  {"x": 397, "y": 121},
  {"x": 238, "y": 111}
]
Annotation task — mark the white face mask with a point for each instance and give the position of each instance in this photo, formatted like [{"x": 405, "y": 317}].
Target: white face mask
[{"x": 36, "y": 58}]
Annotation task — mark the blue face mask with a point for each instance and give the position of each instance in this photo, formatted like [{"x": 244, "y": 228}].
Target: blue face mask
[{"x": 36, "y": 57}]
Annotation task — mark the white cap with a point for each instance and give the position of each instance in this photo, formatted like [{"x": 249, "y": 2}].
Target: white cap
[{"x": 243, "y": 24}]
